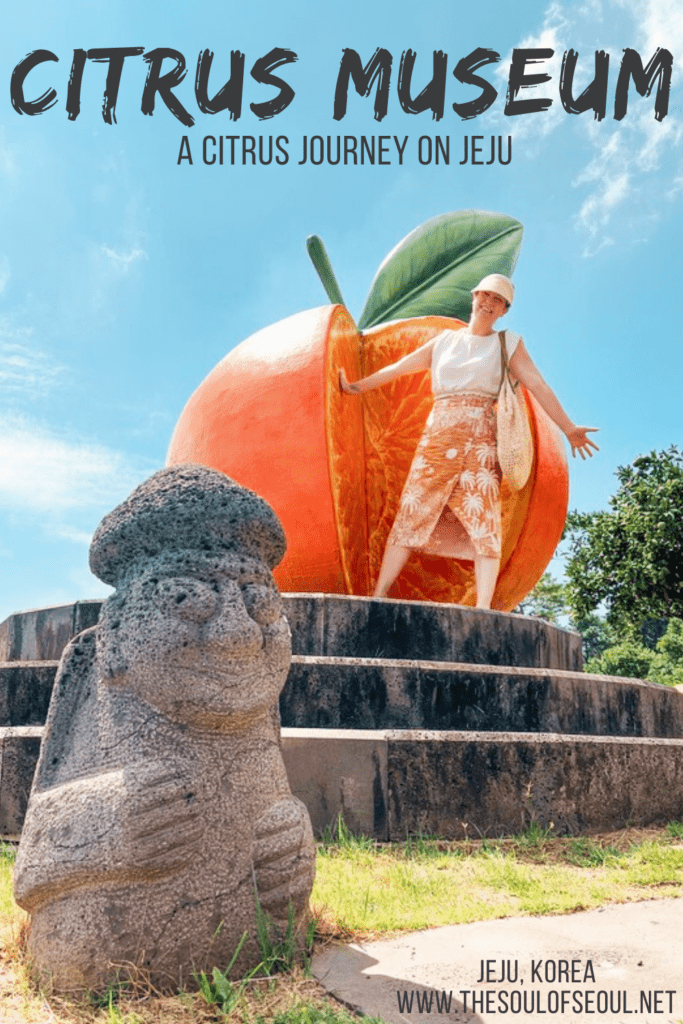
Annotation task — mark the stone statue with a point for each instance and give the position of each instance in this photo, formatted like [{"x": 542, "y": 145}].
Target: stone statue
[{"x": 161, "y": 814}]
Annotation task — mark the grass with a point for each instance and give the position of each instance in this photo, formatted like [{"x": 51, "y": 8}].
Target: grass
[{"x": 364, "y": 890}]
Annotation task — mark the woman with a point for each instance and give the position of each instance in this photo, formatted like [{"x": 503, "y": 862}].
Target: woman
[{"x": 450, "y": 505}]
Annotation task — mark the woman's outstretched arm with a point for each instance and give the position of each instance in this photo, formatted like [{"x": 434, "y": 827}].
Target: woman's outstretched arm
[
  {"x": 414, "y": 362},
  {"x": 523, "y": 369}
]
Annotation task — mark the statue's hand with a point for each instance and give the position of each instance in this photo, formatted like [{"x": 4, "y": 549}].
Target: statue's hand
[
  {"x": 284, "y": 857},
  {"x": 163, "y": 825},
  {"x": 111, "y": 825}
]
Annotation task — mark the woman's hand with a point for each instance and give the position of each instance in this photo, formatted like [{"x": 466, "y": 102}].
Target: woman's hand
[
  {"x": 345, "y": 386},
  {"x": 580, "y": 442}
]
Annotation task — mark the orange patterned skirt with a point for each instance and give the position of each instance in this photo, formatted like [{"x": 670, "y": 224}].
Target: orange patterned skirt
[{"x": 456, "y": 467}]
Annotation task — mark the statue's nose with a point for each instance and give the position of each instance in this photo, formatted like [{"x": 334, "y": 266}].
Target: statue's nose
[
  {"x": 233, "y": 630},
  {"x": 189, "y": 599},
  {"x": 225, "y": 624}
]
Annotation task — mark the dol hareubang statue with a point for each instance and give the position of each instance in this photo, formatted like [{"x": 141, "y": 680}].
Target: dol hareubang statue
[{"x": 160, "y": 805}]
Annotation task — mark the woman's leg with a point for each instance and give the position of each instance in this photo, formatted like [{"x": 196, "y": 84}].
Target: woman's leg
[
  {"x": 394, "y": 559},
  {"x": 449, "y": 535},
  {"x": 450, "y": 539},
  {"x": 454, "y": 542},
  {"x": 486, "y": 576}
]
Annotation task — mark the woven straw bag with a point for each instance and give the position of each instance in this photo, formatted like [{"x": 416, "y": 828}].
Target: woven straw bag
[{"x": 515, "y": 443}]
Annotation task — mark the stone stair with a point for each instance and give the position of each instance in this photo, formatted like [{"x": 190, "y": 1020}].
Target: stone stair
[{"x": 415, "y": 717}]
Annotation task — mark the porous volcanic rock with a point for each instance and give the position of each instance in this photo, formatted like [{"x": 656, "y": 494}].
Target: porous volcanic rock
[{"x": 161, "y": 815}]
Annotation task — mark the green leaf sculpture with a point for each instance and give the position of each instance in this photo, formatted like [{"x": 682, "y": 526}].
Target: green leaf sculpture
[{"x": 434, "y": 268}]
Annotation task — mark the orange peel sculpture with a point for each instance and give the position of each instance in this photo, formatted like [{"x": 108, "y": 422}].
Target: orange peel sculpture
[{"x": 271, "y": 415}]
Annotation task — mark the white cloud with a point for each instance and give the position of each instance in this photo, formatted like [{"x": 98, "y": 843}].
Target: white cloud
[
  {"x": 657, "y": 23},
  {"x": 5, "y": 273},
  {"x": 537, "y": 126},
  {"x": 123, "y": 260},
  {"x": 598, "y": 208},
  {"x": 632, "y": 165},
  {"x": 70, "y": 533},
  {"x": 109, "y": 269},
  {"x": 47, "y": 475},
  {"x": 24, "y": 369}
]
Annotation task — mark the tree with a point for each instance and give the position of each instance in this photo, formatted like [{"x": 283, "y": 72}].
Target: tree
[
  {"x": 630, "y": 657},
  {"x": 596, "y": 635},
  {"x": 546, "y": 601},
  {"x": 630, "y": 559},
  {"x": 626, "y": 658},
  {"x": 667, "y": 664}
]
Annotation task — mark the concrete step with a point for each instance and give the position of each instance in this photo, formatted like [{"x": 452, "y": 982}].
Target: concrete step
[
  {"x": 390, "y": 784},
  {"x": 42, "y": 633},
  {"x": 334, "y": 625},
  {"x": 25, "y": 690},
  {"x": 436, "y": 718},
  {"x": 19, "y": 750},
  {"x": 396, "y": 783},
  {"x": 373, "y": 693}
]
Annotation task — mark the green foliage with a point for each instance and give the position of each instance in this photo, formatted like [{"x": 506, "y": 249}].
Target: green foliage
[
  {"x": 631, "y": 558},
  {"x": 433, "y": 270},
  {"x": 421, "y": 845},
  {"x": 586, "y": 853},
  {"x": 340, "y": 837},
  {"x": 626, "y": 658},
  {"x": 281, "y": 951},
  {"x": 675, "y": 829},
  {"x": 548, "y": 600},
  {"x": 219, "y": 990},
  {"x": 596, "y": 635},
  {"x": 367, "y": 893},
  {"x": 533, "y": 836},
  {"x": 630, "y": 657},
  {"x": 108, "y": 997},
  {"x": 7, "y": 857},
  {"x": 667, "y": 663},
  {"x": 116, "y": 1016},
  {"x": 304, "y": 1013}
]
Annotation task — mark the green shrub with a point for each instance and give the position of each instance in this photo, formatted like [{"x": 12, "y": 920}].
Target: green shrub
[
  {"x": 667, "y": 664},
  {"x": 627, "y": 658}
]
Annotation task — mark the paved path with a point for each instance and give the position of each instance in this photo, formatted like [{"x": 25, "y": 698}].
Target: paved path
[{"x": 630, "y": 954}]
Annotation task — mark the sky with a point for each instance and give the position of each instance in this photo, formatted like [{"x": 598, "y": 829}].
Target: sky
[{"x": 126, "y": 275}]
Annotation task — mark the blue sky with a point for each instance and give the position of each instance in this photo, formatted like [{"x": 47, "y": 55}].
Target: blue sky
[{"x": 124, "y": 277}]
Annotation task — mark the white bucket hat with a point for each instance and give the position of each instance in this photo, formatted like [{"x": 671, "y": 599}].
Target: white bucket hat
[{"x": 499, "y": 285}]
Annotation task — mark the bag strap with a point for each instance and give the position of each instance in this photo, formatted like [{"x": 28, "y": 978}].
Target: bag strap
[{"x": 505, "y": 365}]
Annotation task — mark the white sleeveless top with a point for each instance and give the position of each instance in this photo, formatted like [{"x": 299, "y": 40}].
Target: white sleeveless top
[{"x": 469, "y": 362}]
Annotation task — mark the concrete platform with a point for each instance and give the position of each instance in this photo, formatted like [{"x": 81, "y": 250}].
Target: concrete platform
[
  {"x": 25, "y": 691},
  {"x": 336, "y": 625},
  {"x": 390, "y": 784},
  {"x": 41, "y": 634},
  {"x": 394, "y": 783},
  {"x": 19, "y": 750},
  {"x": 411, "y": 717},
  {"x": 635, "y": 952},
  {"x": 374, "y": 693}
]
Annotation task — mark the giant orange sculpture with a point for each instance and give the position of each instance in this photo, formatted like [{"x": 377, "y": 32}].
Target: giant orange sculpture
[{"x": 271, "y": 416}]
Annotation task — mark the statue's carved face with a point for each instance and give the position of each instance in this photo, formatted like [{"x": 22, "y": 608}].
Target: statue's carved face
[{"x": 201, "y": 638}]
